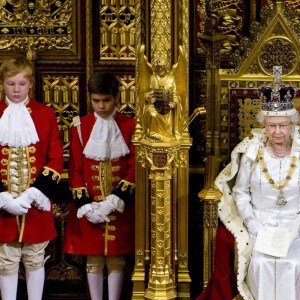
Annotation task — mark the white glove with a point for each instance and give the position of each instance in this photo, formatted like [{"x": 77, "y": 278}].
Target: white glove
[
  {"x": 35, "y": 196},
  {"x": 96, "y": 216},
  {"x": 83, "y": 210},
  {"x": 93, "y": 213},
  {"x": 13, "y": 206},
  {"x": 112, "y": 203},
  {"x": 253, "y": 226}
]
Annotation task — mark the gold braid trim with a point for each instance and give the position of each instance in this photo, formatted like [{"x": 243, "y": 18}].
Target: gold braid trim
[
  {"x": 125, "y": 185},
  {"x": 56, "y": 176},
  {"x": 77, "y": 192},
  {"x": 21, "y": 230}
]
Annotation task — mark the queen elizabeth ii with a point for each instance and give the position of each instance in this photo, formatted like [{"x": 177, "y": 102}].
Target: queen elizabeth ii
[{"x": 261, "y": 189}]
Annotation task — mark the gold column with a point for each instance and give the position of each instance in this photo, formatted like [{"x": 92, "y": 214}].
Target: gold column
[
  {"x": 183, "y": 277},
  {"x": 209, "y": 198},
  {"x": 213, "y": 44},
  {"x": 161, "y": 285},
  {"x": 162, "y": 144},
  {"x": 138, "y": 276}
]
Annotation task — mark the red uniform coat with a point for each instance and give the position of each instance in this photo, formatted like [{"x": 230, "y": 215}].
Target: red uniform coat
[
  {"x": 109, "y": 238},
  {"x": 36, "y": 226}
]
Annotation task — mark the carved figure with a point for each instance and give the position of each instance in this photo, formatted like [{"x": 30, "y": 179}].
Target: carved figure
[{"x": 162, "y": 97}]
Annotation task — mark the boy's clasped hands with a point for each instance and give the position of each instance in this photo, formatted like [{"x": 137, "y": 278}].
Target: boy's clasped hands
[
  {"x": 19, "y": 206},
  {"x": 97, "y": 212}
]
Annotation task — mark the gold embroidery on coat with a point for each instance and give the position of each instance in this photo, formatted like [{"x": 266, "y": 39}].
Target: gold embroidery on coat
[
  {"x": 31, "y": 149},
  {"x": 32, "y": 159},
  {"x": 116, "y": 168},
  {"x": 4, "y": 162},
  {"x": 116, "y": 179},
  {"x": 5, "y": 151},
  {"x": 78, "y": 192},
  {"x": 3, "y": 172}
]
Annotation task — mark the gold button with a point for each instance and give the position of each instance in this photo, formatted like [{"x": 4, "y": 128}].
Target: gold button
[
  {"x": 31, "y": 149},
  {"x": 5, "y": 151},
  {"x": 32, "y": 159},
  {"x": 4, "y": 161}
]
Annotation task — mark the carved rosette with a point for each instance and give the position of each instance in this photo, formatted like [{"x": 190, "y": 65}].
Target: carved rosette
[{"x": 278, "y": 52}]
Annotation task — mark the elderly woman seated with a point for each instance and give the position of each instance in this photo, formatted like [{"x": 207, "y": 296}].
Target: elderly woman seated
[{"x": 261, "y": 194}]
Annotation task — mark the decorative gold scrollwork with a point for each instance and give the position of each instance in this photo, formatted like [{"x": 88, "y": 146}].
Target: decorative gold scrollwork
[
  {"x": 278, "y": 52},
  {"x": 37, "y": 25}
]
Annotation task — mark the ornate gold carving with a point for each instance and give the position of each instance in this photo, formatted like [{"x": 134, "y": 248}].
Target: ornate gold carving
[
  {"x": 247, "y": 116},
  {"x": 277, "y": 32},
  {"x": 37, "y": 25},
  {"x": 162, "y": 98},
  {"x": 278, "y": 52},
  {"x": 62, "y": 94},
  {"x": 161, "y": 30},
  {"x": 127, "y": 96},
  {"x": 160, "y": 159},
  {"x": 220, "y": 16},
  {"x": 160, "y": 162},
  {"x": 117, "y": 29}
]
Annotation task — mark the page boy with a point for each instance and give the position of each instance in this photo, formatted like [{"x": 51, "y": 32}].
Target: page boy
[
  {"x": 31, "y": 161},
  {"x": 101, "y": 176}
]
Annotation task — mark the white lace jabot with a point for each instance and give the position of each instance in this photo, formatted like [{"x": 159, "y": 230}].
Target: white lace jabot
[
  {"x": 16, "y": 126},
  {"x": 106, "y": 140}
]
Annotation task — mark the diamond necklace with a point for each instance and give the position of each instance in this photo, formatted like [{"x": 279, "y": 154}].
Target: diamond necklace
[
  {"x": 281, "y": 201},
  {"x": 285, "y": 148}
]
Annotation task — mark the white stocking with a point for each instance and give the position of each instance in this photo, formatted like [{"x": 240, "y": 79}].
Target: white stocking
[
  {"x": 35, "y": 283},
  {"x": 95, "y": 285},
  {"x": 8, "y": 286},
  {"x": 115, "y": 282}
]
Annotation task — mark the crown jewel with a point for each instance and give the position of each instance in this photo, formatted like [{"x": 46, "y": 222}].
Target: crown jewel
[{"x": 277, "y": 99}]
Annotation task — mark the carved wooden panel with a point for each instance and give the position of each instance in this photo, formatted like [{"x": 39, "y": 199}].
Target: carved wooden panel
[
  {"x": 117, "y": 29},
  {"x": 45, "y": 26}
]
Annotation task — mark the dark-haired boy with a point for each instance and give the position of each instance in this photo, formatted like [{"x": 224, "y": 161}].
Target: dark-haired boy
[{"x": 101, "y": 177}]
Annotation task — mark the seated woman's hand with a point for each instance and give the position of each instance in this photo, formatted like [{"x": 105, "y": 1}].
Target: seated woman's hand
[{"x": 253, "y": 226}]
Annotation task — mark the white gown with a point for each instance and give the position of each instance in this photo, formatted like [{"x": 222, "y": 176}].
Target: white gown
[{"x": 270, "y": 278}]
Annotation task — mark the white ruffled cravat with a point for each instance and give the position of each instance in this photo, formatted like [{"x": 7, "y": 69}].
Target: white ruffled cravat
[
  {"x": 106, "y": 140},
  {"x": 16, "y": 126}
]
